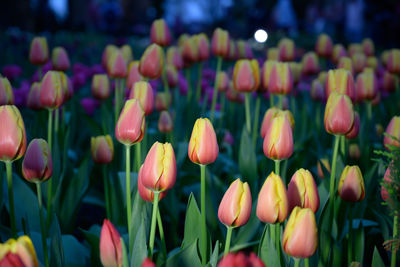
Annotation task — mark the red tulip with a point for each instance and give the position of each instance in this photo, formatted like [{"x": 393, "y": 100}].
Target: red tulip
[
  {"x": 159, "y": 33},
  {"x": 100, "y": 86},
  {"x": 143, "y": 92},
  {"x": 51, "y": 91},
  {"x": 110, "y": 245},
  {"x": 102, "y": 149},
  {"x": 302, "y": 191},
  {"x": 278, "y": 140},
  {"x": 152, "y": 62},
  {"x": 203, "y": 147},
  {"x": 351, "y": 184},
  {"x": 339, "y": 114},
  {"x": 59, "y": 58},
  {"x": 39, "y": 51},
  {"x": 131, "y": 123},
  {"x": 220, "y": 43},
  {"x": 37, "y": 165}
]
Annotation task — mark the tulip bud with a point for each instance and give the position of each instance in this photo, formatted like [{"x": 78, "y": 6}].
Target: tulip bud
[
  {"x": 266, "y": 72},
  {"x": 145, "y": 193},
  {"x": 339, "y": 114},
  {"x": 39, "y": 51},
  {"x": 366, "y": 85},
  {"x": 351, "y": 184},
  {"x": 143, "y": 92},
  {"x": 147, "y": 263},
  {"x": 220, "y": 43},
  {"x": 246, "y": 75},
  {"x": 346, "y": 63},
  {"x": 392, "y": 129},
  {"x": 174, "y": 57},
  {"x": 60, "y": 59},
  {"x": 108, "y": 50},
  {"x": 152, "y": 62},
  {"x": 393, "y": 61},
  {"x": 66, "y": 86},
  {"x": 368, "y": 47},
  {"x": 110, "y": 245},
  {"x": 163, "y": 101},
  {"x": 385, "y": 57},
  {"x": 127, "y": 54},
  {"x": 240, "y": 260},
  {"x": 116, "y": 65},
  {"x": 273, "y": 54},
  {"x": 359, "y": 62},
  {"x": 372, "y": 62},
  {"x": 131, "y": 123},
  {"x": 100, "y": 86},
  {"x": 278, "y": 140},
  {"x": 165, "y": 123},
  {"x": 12, "y": 134},
  {"x": 340, "y": 81},
  {"x": 37, "y": 165},
  {"x": 235, "y": 207},
  {"x": 222, "y": 81},
  {"x": 325, "y": 163},
  {"x": 172, "y": 76},
  {"x": 203, "y": 147},
  {"x": 338, "y": 52},
  {"x": 354, "y": 151},
  {"x": 389, "y": 82},
  {"x": 273, "y": 203},
  {"x": 302, "y": 191},
  {"x": 322, "y": 77},
  {"x": 190, "y": 51},
  {"x": 324, "y": 45},
  {"x": 233, "y": 95},
  {"x": 300, "y": 238},
  {"x": 317, "y": 91},
  {"x": 33, "y": 99},
  {"x": 295, "y": 69},
  {"x": 233, "y": 51},
  {"x": 244, "y": 50},
  {"x": 133, "y": 74},
  {"x": 310, "y": 63},
  {"x": 286, "y": 49},
  {"x": 18, "y": 253},
  {"x": 280, "y": 81},
  {"x": 354, "y": 48},
  {"x": 272, "y": 113},
  {"x": 159, "y": 33},
  {"x": 356, "y": 127},
  {"x": 203, "y": 46},
  {"x": 51, "y": 91},
  {"x": 102, "y": 149},
  {"x": 6, "y": 93}
]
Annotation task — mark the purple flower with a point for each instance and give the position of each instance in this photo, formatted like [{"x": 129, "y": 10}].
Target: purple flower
[
  {"x": 12, "y": 71},
  {"x": 89, "y": 105}
]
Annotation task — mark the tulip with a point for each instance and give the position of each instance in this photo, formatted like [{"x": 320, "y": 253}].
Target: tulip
[
  {"x": 66, "y": 86},
  {"x": 59, "y": 58},
  {"x": 116, "y": 65},
  {"x": 33, "y": 99},
  {"x": 12, "y": 71},
  {"x": 340, "y": 81},
  {"x": 356, "y": 127},
  {"x": 163, "y": 101},
  {"x": 327, "y": 166},
  {"x": 240, "y": 260},
  {"x": 310, "y": 64},
  {"x": 302, "y": 191},
  {"x": 152, "y": 62},
  {"x": 317, "y": 91},
  {"x": 359, "y": 62},
  {"x": 286, "y": 49},
  {"x": 165, "y": 123},
  {"x": 37, "y": 165},
  {"x": 295, "y": 69},
  {"x": 387, "y": 182},
  {"x": 108, "y": 50},
  {"x": 233, "y": 95},
  {"x": 203, "y": 46},
  {"x": 272, "y": 113},
  {"x": 393, "y": 61},
  {"x": 351, "y": 184},
  {"x": 278, "y": 140},
  {"x": 190, "y": 51},
  {"x": 174, "y": 57},
  {"x": 228, "y": 138},
  {"x": 220, "y": 43},
  {"x": 20, "y": 252},
  {"x": 182, "y": 38},
  {"x": 273, "y": 54},
  {"x": 100, "y": 86},
  {"x": 266, "y": 72},
  {"x": 110, "y": 245},
  {"x": 354, "y": 151},
  {"x": 233, "y": 51},
  {"x": 339, "y": 114},
  {"x": 127, "y": 54},
  {"x": 51, "y": 91},
  {"x": 389, "y": 82},
  {"x": 147, "y": 263},
  {"x": 273, "y": 203},
  {"x": 203, "y": 147},
  {"x": 372, "y": 62},
  {"x": 338, "y": 52},
  {"x": 354, "y": 48},
  {"x": 131, "y": 123},
  {"x": 222, "y": 81},
  {"x": 102, "y": 149},
  {"x": 143, "y": 92},
  {"x": 39, "y": 51},
  {"x": 280, "y": 81},
  {"x": 368, "y": 47},
  {"x": 366, "y": 85},
  {"x": 300, "y": 238},
  {"x": 322, "y": 77},
  {"x": 244, "y": 50},
  {"x": 324, "y": 45},
  {"x": 145, "y": 193},
  {"x": 133, "y": 74},
  {"x": 246, "y": 75},
  {"x": 6, "y": 93},
  {"x": 172, "y": 76},
  {"x": 393, "y": 129},
  {"x": 346, "y": 63},
  {"x": 159, "y": 33}
]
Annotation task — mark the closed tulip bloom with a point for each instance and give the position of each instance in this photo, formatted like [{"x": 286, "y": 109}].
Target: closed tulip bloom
[
  {"x": 389, "y": 82},
  {"x": 145, "y": 193},
  {"x": 37, "y": 165},
  {"x": 163, "y": 101},
  {"x": 66, "y": 85},
  {"x": 270, "y": 114},
  {"x": 143, "y": 92},
  {"x": 174, "y": 57},
  {"x": 392, "y": 129},
  {"x": 273, "y": 54},
  {"x": 6, "y": 93},
  {"x": 324, "y": 45},
  {"x": 273, "y": 203},
  {"x": 152, "y": 62},
  {"x": 246, "y": 75},
  {"x": 339, "y": 114},
  {"x": 286, "y": 49},
  {"x": 302, "y": 191},
  {"x": 182, "y": 38},
  {"x": 102, "y": 149},
  {"x": 351, "y": 184},
  {"x": 233, "y": 95},
  {"x": 295, "y": 69},
  {"x": 244, "y": 50},
  {"x": 356, "y": 127},
  {"x": 233, "y": 51},
  {"x": 12, "y": 134},
  {"x": 190, "y": 51},
  {"x": 280, "y": 81},
  {"x": 222, "y": 81},
  {"x": 18, "y": 253},
  {"x": 278, "y": 140},
  {"x": 108, "y": 50},
  {"x": 220, "y": 43},
  {"x": 51, "y": 91},
  {"x": 39, "y": 51},
  {"x": 203, "y": 46},
  {"x": 159, "y": 33},
  {"x": 116, "y": 65},
  {"x": 393, "y": 61},
  {"x": 327, "y": 166},
  {"x": 368, "y": 47},
  {"x": 354, "y": 48},
  {"x": 33, "y": 99},
  {"x": 235, "y": 207},
  {"x": 266, "y": 72},
  {"x": 172, "y": 76},
  {"x": 133, "y": 74},
  {"x": 300, "y": 238},
  {"x": 165, "y": 123},
  {"x": 203, "y": 147},
  {"x": 240, "y": 260},
  {"x": 310, "y": 63},
  {"x": 100, "y": 86},
  {"x": 366, "y": 85},
  {"x": 322, "y": 77},
  {"x": 317, "y": 91},
  {"x": 372, "y": 62},
  {"x": 110, "y": 245},
  {"x": 354, "y": 151},
  {"x": 147, "y": 263},
  {"x": 131, "y": 123},
  {"x": 127, "y": 54},
  {"x": 346, "y": 63},
  {"x": 340, "y": 81},
  {"x": 359, "y": 62},
  {"x": 60, "y": 59},
  {"x": 338, "y": 52}
]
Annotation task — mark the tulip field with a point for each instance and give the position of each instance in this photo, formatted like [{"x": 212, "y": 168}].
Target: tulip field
[{"x": 198, "y": 150}]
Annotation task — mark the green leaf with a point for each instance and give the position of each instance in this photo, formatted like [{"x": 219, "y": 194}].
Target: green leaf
[
  {"x": 247, "y": 158},
  {"x": 75, "y": 253},
  {"x": 214, "y": 255},
  {"x": 125, "y": 262},
  {"x": 140, "y": 216},
  {"x": 359, "y": 244},
  {"x": 139, "y": 252},
  {"x": 192, "y": 223},
  {"x": 266, "y": 249},
  {"x": 185, "y": 257},
  {"x": 376, "y": 259},
  {"x": 92, "y": 237},
  {"x": 56, "y": 246}
]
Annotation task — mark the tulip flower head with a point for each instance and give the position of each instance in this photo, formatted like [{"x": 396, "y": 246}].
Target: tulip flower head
[
  {"x": 60, "y": 59},
  {"x": 372, "y": 62},
  {"x": 273, "y": 54},
  {"x": 133, "y": 74},
  {"x": 324, "y": 45},
  {"x": 340, "y": 81},
  {"x": 295, "y": 69},
  {"x": 174, "y": 57},
  {"x": 302, "y": 191},
  {"x": 100, "y": 86},
  {"x": 127, "y": 54},
  {"x": 354, "y": 48},
  {"x": 389, "y": 82},
  {"x": 359, "y": 62},
  {"x": 356, "y": 127},
  {"x": 286, "y": 49},
  {"x": 102, "y": 149},
  {"x": 37, "y": 165},
  {"x": 300, "y": 238},
  {"x": 116, "y": 65},
  {"x": 131, "y": 123},
  {"x": 203, "y": 46},
  {"x": 338, "y": 52},
  {"x": 270, "y": 114},
  {"x": 20, "y": 252},
  {"x": 339, "y": 114},
  {"x": 51, "y": 90},
  {"x": 143, "y": 92},
  {"x": 108, "y": 50},
  {"x": 159, "y": 33},
  {"x": 147, "y": 263},
  {"x": 39, "y": 51},
  {"x": 163, "y": 101},
  {"x": 346, "y": 63},
  {"x": 110, "y": 245},
  {"x": 366, "y": 85},
  {"x": 33, "y": 99},
  {"x": 310, "y": 63},
  {"x": 172, "y": 76},
  {"x": 368, "y": 47},
  {"x": 266, "y": 72},
  {"x": 220, "y": 43},
  {"x": 6, "y": 93},
  {"x": 203, "y": 147},
  {"x": 152, "y": 62},
  {"x": 317, "y": 91},
  {"x": 240, "y": 260},
  {"x": 280, "y": 80},
  {"x": 351, "y": 184},
  {"x": 145, "y": 193},
  {"x": 273, "y": 203},
  {"x": 222, "y": 81},
  {"x": 190, "y": 51},
  {"x": 246, "y": 75},
  {"x": 165, "y": 123},
  {"x": 354, "y": 151},
  {"x": 278, "y": 140},
  {"x": 393, "y": 129},
  {"x": 235, "y": 207},
  {"x": 393, "y": 61}
]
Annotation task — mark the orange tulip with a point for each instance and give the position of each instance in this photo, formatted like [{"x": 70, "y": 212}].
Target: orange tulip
[
  {"x": 368, "y": 47},
  {"x": 51, "y": 91},
  {"x": 100, "y": 86},
  {"x": 286, "y": 49},
  {"x": 102, "y": 149},
  {"x": 393, "y": 61},
  {"x": 270, "y": 114},
  {"x": 339, "y": 114},
  {"x": 366, "y": 85},
  {"x": 131, "y": 123},
  {"x": 60, "y": 59},
  {"x": 108, "y": 50},
  {"x": 110, "y": 245},
  {"x": 266, "y": 73},
  {"x": 280, "y": 81},
  {"x": 359, "y": 62},
  {"x": 278, "y": 140},
  {"x": 222, "y": 81},
  {"x": 127, "y": 54},
  {"x": 246, "y": 75},
  {"x": 302, "y": 191},
  {"x": 351, "y": 184},
  {"x": 340, "y": 81},
  {"x": 172, "y": 76},
  {"x": 220, "y": 42},
  {"x": 145, "y": 193},
  {"x": 203, "y": 147},
  {"x": 174, "y": 57},
  {"x": 159, "y": 33},
  {"x": 116, "y": 65},
  {"x": 18, "y": 253},
  {"x": 310, "y": 63},
  {"x": 133, "y": 74},
  {"x": 143, "y": 92},
  {"x": 39, "y": 51},
  {"x": 338, "y": 52},
  {"x": 346, "y": 63},
  {"x": 324, "y": 45},
  {"x": 152, "y": 62}
]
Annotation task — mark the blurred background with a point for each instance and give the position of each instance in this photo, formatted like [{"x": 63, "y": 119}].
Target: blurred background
[{"x": 345, "y": 20}]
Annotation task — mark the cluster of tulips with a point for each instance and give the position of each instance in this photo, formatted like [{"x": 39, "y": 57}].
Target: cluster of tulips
[{"x": 347, "y": 82}]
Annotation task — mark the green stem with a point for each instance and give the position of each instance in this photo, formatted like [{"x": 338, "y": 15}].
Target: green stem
[
  {"x": 349, "y": 241},
  {"x": 296, "y": 262},
  {"x": 280, "y": 101},
  {"x": 215, "y": 92},
  {"x": 165, "y": 78},
  {"x": 343, "y": 145},
  {"x": 333, "y": 171},
  {"x": 247, "y": 111},
  {"x": 203, "y": 216},
  {"x": 42, "y": 224},
  {"x": 272, "y": 232},
  {"x": 189, "y": 83},
  {"x": 56, "y": 117},
  {"x": 228, "y": 239},
  {"x": 40, "y": 73},
  {"x": 256, "y": 116},
  {"x": 199, "y": 75},
  {"x": 306, "y": 262},
  {"x": 116, "y": 99},
  {"x": 106, "y": 192},
  {"x": 128, "y": 192},
  {"x": 161, "y": 231},
  {"x": 277, "y": 166},
  {"x": 153, "y": 224},
  {"x": 369, "y": 111},
  {"x": 221, "y": 110},
  {"x": 271, "y": 100},
  {"x": 394, "y": 251},
  {"x": 278, "y": 239},
  {"x": 138, "y": 156},
  {"x": 11, "y": 198},
  {"x": 50, "y": 181}
]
